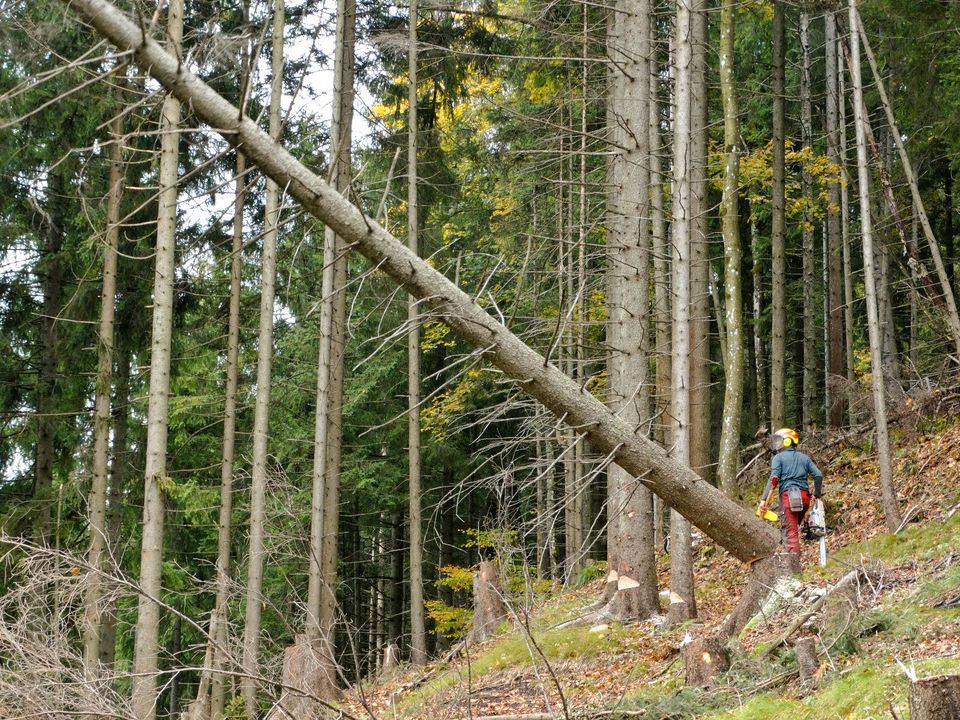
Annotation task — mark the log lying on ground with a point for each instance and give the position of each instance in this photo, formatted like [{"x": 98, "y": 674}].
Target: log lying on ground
[
  {"x": 727, "y": 523},
  {"x": 935, "y": 698}
]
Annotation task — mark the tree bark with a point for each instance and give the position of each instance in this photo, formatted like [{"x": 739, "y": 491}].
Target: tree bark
[
  {"x": 681, "y": 561},
  {"x": 778, "y": 333},
  {"x": 261, "y": 420},
  {"x": 703, "y": 659},
  {"x": 731, "y": 526},
  {"x": 890, "y": 509},
  {"x": 834, "y": 242},
  {"x": 50, "y": 269},
  {"x": 220, "y": 624},
  {"x": 335, "y": 248},
  {"x": 146, "y": 652},
  {"x": 488, "y": 606},
  {"x": 418, "y": 634},
  {"x": 97, "y": 504},
  {"x": 946, "y": 287},
  {"x": 108, "y": 625},
  {"x": 630, "y": 520},
  {"x": 935, "y": 698},
  {"x": 810, "y": 359},
  {"x": 733, "y": 362}
]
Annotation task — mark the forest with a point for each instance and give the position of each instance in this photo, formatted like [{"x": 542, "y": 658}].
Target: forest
[{"x": 341, "y": 340}]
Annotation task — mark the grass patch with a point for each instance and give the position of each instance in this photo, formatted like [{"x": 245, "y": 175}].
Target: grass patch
[
  {"x": 515, "y": 651},
  {"x": 920, "y": 542},
  {"x": 860, "y": 694}
]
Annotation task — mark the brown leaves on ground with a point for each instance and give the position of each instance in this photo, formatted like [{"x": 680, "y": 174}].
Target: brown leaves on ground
[{"x": 926, "y": 471}]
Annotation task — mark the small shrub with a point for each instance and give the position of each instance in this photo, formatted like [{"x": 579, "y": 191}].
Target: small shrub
[{"x": 590, "y": 572}]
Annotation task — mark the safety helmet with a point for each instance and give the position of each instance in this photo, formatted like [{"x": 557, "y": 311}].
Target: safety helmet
[{"x": 788, "y": 437}]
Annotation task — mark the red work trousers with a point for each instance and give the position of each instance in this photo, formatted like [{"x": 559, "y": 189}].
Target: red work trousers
[{"x": 790, "y": 521}]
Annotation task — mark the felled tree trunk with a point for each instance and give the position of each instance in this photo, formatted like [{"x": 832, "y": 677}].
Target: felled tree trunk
[
  {"x": 730, "y": 525},
  {"x": 935, "y": 698},
  {"x": 704, "y": 658},
  {"x": 489, "y": 609}
]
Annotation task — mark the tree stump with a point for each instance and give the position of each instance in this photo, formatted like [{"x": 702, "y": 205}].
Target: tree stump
[
  {"x": 703, "y": 659},
  {"x": 841, "y": 607},
  {"x": 489, "y": 608},
  {"x": 935, "y": 698},
  {"x": 391, "y": 657},
  {"x": 762, "y": 578},
  {"x": 308, "y": 675},
  {"x": 806, "y": 649},
  {"x": 678, "y": 611}
]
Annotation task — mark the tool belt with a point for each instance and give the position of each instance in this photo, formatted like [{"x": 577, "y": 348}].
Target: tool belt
[{"x": 795, "y": 500}]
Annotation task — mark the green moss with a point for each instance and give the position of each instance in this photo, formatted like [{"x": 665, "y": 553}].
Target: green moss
[
  {"x": 920, "y": 542},
  {"x": 864, "y": 692},
  {"x": 515, "y": 651}
]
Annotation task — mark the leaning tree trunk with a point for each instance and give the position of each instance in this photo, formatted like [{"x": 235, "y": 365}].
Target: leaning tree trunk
[
  {"x": 946, "y": 287},
  {"x": 146, "y": 652},
  {"x": 890, "y": 510},
  {"x": 729, "y": 525},
  {"x": 261, "y": 419},
  {"x": 97, "y": 506}
]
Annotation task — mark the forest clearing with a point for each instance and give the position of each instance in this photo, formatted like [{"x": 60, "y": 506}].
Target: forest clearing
[{"x": 479, "y": 361}]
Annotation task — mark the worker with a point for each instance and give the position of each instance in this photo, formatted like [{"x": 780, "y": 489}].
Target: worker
[{"x": 789, "y": 475}]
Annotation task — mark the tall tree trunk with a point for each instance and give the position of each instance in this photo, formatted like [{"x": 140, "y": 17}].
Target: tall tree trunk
[
  {"x": 733, "y": 362},
  {"x": 97, "y": 503},
  {"x": 118, "y": 458},
  {"x": 261, "y": 419},
  {"x": 810, "y": 359},
  {"x": 681, "y": 581},
  {"x": 701, "y": 423},
  {"x": 731, "y": 526},
  {"x": 51, "y": 279},
  {"x": 890, "y": 509},
  {"x": 834, "y": 243},
  {"x": 151, "y": 549},
  {"x": 661, "y": 250},
  {"x": 661, "y": 277},
  {"x": 418, "y": 634},
  {"x": 630, "y": 520},
  {"x": 848, "y": 294},
  {"x": 341, "y": 145},
  {"x": 758, "y": 303},
  {"x": 778, "y": 333},
  {"x": 219, "y": 624}
]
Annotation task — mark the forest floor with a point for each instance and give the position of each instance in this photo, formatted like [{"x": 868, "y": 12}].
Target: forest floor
[{"x": 634, "y": 670}]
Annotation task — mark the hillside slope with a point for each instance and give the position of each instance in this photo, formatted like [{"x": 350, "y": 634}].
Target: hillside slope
[{"x": 906, "y": 620}]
